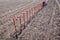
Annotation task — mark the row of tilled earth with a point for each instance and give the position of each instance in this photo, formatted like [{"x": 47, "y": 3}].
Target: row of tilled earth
[{"x": 6, "y": 27}]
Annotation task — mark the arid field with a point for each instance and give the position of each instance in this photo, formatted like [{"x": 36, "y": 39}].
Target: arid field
[{"x": 44, "y": 26}]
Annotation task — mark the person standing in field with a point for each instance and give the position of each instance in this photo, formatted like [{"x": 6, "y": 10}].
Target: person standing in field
[{"x": 45, "y": 3}]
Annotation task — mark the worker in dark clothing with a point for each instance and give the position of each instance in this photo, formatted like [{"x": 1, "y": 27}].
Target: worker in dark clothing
[{"x": 45, "y": 3}]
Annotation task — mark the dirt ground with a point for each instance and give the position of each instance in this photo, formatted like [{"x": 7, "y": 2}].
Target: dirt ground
[
  {"x": 45, "y": 25},
  {"x": 10, "y": 8}
]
